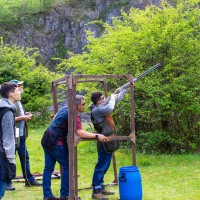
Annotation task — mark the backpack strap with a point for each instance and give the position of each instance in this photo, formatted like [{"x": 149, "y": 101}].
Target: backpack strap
[{"x": 3, "y": 111}]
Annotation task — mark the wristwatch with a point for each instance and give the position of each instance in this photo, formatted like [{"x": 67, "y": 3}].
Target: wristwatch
[{"x": 97, "y": 137}]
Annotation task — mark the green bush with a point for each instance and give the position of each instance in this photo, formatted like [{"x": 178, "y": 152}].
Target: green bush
[
  {"x": 155, "y": 142},
  {"x": 18, "y": 63},
  {"x": 167, "y": 101}
]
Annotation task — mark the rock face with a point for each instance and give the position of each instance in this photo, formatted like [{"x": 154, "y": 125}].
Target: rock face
[{"x": 63, "y": 28}]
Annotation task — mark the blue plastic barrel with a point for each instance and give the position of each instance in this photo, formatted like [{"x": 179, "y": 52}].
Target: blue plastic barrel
[{"x": 130, "y": 183}]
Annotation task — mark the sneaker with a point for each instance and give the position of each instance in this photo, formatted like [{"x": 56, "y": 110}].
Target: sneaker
[
  {"x": 10, "y": 188},
  {"x": 32, "y": 183},
  {"x": 99, "y": 196},
  {"x": 106, "y": 192}
]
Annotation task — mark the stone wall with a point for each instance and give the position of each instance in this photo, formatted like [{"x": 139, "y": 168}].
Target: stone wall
[{"x": 63, "y": 28}]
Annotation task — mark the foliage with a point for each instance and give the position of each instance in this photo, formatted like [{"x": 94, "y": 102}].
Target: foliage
[
  {"x": 13, "y": 12},
  {"x": 19, "y": 63},
  {"x": 159, "y": 142},
  {"x": 168, "y": 100}
]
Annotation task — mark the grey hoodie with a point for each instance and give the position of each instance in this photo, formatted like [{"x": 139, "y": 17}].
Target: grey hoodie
[{"x": 7, "y": 124}]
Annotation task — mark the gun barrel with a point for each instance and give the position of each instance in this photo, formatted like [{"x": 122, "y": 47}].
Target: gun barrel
[
  {"x": 126, "y": 85},
  {"x": 146, "y": 72}
]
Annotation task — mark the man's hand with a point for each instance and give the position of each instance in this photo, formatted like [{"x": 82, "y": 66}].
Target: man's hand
[
  {"x": 27, "y": 113},
  {"x": 114, "y": 96},
  {"x": 102, "y": 138},
  {"x": 26, "y": 117}
]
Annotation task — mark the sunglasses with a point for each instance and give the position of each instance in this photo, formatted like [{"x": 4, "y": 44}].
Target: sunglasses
[
  {"x": 102, "y": 98},
  {"x": 82, "y": 104}
]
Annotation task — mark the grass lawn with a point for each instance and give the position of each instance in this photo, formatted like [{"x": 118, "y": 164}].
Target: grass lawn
[{"x": 164, "y": 177}]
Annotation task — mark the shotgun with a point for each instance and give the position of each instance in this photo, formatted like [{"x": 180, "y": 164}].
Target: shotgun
[{"x": 126, "y": 85}]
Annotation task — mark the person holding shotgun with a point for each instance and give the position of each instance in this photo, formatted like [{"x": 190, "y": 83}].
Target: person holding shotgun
[{"x": 101, "y": 116}]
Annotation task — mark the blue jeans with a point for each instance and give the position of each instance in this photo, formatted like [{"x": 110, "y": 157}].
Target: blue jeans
[
  {"x": 2, "y": 184},
  {"x": 24, "y": 160},
  {"x": 102, "y": 166},
  {"x": 59, "y": 154}
]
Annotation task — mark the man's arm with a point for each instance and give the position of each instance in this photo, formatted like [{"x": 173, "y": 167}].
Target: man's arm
[
  {"x": 23, "y": 118},
  {"x": 107, "y": 107},
  {"x": 84, "y": 134},
  {"x": 122, "y": 95},
  {"x": 26, "y": 117}
]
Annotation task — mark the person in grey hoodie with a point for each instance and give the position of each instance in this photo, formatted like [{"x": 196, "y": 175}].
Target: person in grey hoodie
[
  {"x": 21, "y": 117},
  {"x": 10, "y": 95},
  {"x": 101, "y": 116}
]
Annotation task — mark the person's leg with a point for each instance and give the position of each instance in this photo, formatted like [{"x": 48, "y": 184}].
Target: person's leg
[
  {"x": 2, "y": 184},
  {"x": 24, "y": 160},
  {"x": 9, "y": 186},
  {"x": 2, "y": 188},
  {"x": 48, "y": 170},
  {"x": 103, "y": 164},
  {"x": 62, "y": 158},
  {"x": 25, "y": 165}
]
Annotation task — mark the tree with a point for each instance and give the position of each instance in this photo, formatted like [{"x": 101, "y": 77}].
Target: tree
[
  {"x": 19, "y": 63},
  {"x": 168, "y": 100}
]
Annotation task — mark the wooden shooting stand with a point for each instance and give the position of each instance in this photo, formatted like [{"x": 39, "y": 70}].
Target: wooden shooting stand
[{"x": 72, "y": 140}]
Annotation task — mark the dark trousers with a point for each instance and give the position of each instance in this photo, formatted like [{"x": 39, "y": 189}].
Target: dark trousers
[
  {"x": 2, "y": 184},
  {"x": 103, "y": 164},
  {"x": 24, "y": 160}
]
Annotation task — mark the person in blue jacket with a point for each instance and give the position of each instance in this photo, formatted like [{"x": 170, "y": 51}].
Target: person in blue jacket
[{"x": 56, "y": 150}]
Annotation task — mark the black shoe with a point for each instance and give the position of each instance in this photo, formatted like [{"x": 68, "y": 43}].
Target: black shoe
[
  {"x": 66, "y": 198},
  {"x": 10, "y": 188},
  {"x": 32, "y": 183},
  {"x": 51, "y": 198}
]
